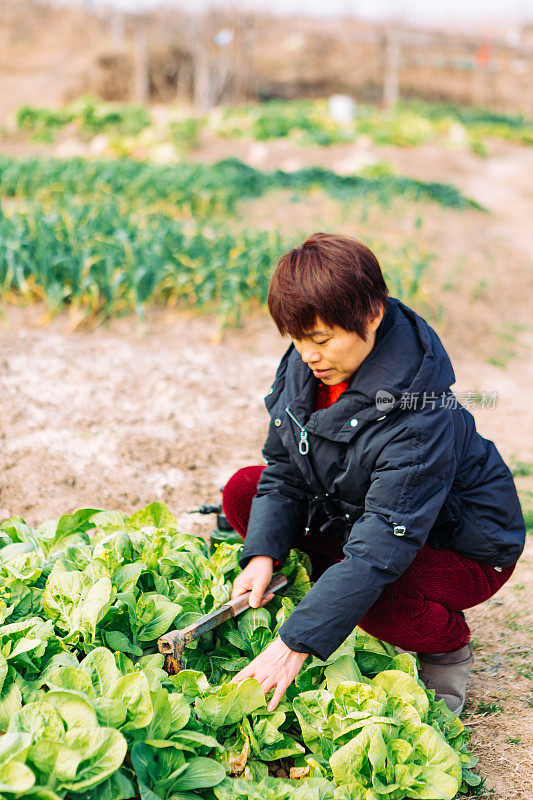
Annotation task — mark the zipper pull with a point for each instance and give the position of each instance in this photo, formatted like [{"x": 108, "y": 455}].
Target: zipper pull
[{"x": 303, "y": 444}]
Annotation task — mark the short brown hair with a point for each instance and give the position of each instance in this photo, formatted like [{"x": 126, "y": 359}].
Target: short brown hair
[{"x": 333, "y": 277}]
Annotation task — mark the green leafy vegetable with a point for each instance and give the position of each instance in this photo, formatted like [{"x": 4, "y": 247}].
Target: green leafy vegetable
[{"x": 87, "y": 711}]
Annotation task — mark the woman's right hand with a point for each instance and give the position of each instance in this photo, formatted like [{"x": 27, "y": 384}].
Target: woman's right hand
[{"x": 255, "y": 577}]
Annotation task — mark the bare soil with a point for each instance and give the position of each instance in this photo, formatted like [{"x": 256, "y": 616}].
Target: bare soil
[{"x": 120, "y": 416}]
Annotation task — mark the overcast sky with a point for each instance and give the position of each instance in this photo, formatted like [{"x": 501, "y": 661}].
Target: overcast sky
[{"x": 416, "y": 11}]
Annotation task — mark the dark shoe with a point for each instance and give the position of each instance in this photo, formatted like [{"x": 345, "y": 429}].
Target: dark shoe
[{"x": 448, "y": 674}]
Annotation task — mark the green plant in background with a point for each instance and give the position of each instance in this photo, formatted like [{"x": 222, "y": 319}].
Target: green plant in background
[
  {"x": 521, "y": 469},
  {"x": 478, "y": 121},
  {"x": 488, "y": 707},
  {"x": 101, "y": 260},
  {"x": 88, "y": 712},
  {"x": 398, "y": 127},
  {"x": 43, "y": 123},
  {"x": 90, "y": 116},
  {"x": 107, "y": 237},
  {"x": 304, "y": 122},
  {"x": 94, "y": 116},
  {"x": 185, "y": 133},
  {"x": 204, "y": 189},
  {"x": 408, "y": 124},
  {"x": 526, "y": 501}
]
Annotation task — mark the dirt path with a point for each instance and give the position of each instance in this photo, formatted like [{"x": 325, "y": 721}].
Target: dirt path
[{"x": 117, "y": 417}]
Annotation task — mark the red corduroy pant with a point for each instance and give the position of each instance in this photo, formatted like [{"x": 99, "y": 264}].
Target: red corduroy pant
[{"x": 422, "y": 609}]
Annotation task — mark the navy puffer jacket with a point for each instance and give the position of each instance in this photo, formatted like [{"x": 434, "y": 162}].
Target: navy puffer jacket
[{"x": 385, "y": 476}]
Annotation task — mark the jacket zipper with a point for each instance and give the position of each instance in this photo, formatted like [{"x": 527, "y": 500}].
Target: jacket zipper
[
  {"x": 303, "y": 444},
  {"x": 303, "y": 447}
]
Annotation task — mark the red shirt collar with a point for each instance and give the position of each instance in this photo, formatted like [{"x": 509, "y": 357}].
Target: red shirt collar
[{"x": 327, "y": 395}]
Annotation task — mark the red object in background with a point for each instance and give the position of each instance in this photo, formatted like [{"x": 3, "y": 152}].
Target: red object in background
[{"x": 483, "y": 54}]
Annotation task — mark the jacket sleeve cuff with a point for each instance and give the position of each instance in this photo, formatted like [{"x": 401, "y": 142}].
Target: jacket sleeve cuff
[
  {"x": 297, "y": 646},
  {"x": 274, "y": 521},
  {"x": 247, "y": 555}
]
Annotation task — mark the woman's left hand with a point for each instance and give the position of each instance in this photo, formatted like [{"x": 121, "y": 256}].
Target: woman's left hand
[{"x": 277, "y": 666}]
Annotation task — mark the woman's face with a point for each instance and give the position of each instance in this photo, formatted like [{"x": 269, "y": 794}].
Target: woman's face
[{"x": 334, "y": 354}]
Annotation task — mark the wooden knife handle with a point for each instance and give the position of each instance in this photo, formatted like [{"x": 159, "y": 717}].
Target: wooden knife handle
[{"x": 241, "y": 603}]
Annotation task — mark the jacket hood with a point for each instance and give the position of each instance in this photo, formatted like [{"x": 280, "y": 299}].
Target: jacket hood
[{"x": 408, "y": 357}]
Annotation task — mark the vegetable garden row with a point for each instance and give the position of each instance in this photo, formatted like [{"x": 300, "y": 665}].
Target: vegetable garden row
[
  {"x": 87, "y": 711},
  {"x": 107, "y": 237},
  {"x": 306, "y": 122},
  {"x": 204, "y": 189}
]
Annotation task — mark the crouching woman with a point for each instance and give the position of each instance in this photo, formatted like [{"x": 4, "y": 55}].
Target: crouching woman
[{"x": 376, "y": 471}]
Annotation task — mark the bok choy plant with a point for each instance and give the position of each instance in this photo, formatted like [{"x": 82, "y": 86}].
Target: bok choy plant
[{"x": 87, "y": 711}]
